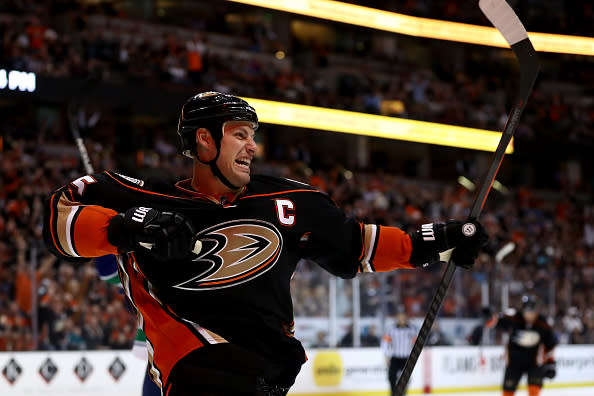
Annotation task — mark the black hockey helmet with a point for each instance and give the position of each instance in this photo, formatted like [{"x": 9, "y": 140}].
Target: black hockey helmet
[
  {"x": 529, "y": 302},
  {"x": 211, "y": 110}
]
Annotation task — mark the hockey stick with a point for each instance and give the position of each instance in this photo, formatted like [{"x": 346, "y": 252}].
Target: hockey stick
[
  {"x": 504, "y": 252},
  {"x": 509, "y": 25},
  {"x": 106, "y": 266},
  {"x": 73, "y": 107}
]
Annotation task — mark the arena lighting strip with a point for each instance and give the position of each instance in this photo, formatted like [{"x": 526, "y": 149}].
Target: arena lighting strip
[
  {"x": 374, "y": 125},
  {"x": 422, "y": 27}
]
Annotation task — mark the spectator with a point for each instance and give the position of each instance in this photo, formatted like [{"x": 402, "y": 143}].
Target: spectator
[
  {"x": 437, "y": 337},
  {"x": 196, "y": 50},
  {"x": 573, "y": 327},
  {"x": 369, "y": 337},
  {"x": 320, "y": 341},
  {"x": 347, "y": 338},
  {"x": 73, "y": 339}
]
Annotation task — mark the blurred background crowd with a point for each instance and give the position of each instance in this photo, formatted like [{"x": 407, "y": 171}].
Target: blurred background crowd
[{"x": 545, "y": 208}]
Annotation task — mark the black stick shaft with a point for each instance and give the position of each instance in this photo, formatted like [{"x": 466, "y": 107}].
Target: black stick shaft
[
  {"x": 73, "y": 108},
  {"x": 529, "y": 65}
]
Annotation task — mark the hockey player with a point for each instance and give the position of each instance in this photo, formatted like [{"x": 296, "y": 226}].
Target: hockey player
[
  {"x": 530, "y": 347},
  {"x": 207, "y": 262}
]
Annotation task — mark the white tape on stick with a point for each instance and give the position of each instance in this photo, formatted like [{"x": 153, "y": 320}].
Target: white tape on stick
[{"x": 503, "y": 17}]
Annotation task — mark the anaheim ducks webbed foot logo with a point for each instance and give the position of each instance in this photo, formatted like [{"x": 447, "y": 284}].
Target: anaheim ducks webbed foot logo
[{"x": 234, "y": 252}]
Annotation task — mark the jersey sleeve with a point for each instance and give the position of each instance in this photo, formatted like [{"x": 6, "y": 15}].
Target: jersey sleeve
[
  {"x": 384, "y": 248},
  {"x": 550, "y": 339},
  {"x": 386, "y": 344},
  {"x": 504, "y": 322},
  {"x": 74, "y": 228},
  {"x": 345, "y": 246}
]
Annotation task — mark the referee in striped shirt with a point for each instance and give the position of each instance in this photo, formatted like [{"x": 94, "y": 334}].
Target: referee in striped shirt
[{"x": 397, "y": 344}]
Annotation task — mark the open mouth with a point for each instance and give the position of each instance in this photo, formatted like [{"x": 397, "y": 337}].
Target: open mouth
[{"x": 243, "y": 163}]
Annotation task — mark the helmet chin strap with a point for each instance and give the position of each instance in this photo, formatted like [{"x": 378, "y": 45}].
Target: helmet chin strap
[
  {"x": 217, "y": 173},
  {"x": 215, "y": 169}
]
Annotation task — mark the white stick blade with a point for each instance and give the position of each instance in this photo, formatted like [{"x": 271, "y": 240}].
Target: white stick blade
[
  {"x": 504, "y": 251},
  {"x": 503, "y": 17}
]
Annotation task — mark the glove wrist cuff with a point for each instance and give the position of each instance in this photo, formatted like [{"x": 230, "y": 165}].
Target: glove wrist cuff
[
  {"x": 423, "y": 254},
  {"x": 116, "y": 232}
]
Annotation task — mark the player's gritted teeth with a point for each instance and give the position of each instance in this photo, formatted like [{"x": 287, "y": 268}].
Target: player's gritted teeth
[{"x": 243, "y": 163}]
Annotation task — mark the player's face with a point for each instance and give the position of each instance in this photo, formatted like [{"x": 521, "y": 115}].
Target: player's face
[
  {"x": 237, "y": 152},
  {"x": 530, "y": 316}
]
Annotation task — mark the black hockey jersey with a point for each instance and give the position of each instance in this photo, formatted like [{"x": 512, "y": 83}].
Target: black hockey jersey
[
  {"x": 529, "y": 344},
  {"x": 237, "y": 289}
]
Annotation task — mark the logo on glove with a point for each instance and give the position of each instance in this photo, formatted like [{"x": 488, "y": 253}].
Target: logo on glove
[
  {"x": 468, "y": 229},
  {"x": 140, "y": 214},
  {"x": 427, "y": 232}
]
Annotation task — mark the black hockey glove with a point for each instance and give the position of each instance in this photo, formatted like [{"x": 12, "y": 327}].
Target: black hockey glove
[
  {"x": 434, "y": 238},
  {"x": 549, "y": 369},
  {"x": 473, "y": 239},
  {"x": 167, "y": 235}
]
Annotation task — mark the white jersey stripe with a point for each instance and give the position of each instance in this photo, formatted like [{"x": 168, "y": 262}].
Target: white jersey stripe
[
  {"x": 370, "y": 249},
  {"x": 125, "y": 279},
  {"x": 71, "y": 215},
  {"x": 154, "y": 371},
  {"x": 202, "y": 332}
]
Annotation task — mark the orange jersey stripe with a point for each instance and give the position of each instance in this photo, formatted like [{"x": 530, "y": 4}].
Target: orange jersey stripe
[
  {"x": 393, "y": 249},
  {"x": 90, "y": 231},
  {"x": 389, "y": 250},
  {"x": 78, "y": 230},
  {"x": 170, "y": 338}
]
